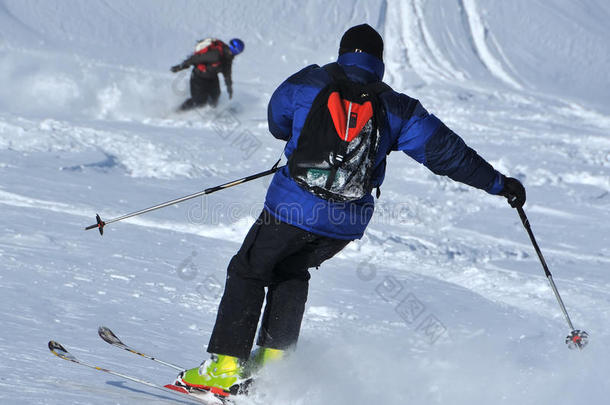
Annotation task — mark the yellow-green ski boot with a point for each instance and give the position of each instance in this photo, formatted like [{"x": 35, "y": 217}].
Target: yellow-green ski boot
[
  {"x": 221, "y": 375},
  {"x": 261, "y": 357}
]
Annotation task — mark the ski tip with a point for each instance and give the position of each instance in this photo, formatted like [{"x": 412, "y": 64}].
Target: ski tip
[
  {"x": 108, "y": 336},
  {"x": 60, "y": 351},
  {"x": 55, "y": 347}
]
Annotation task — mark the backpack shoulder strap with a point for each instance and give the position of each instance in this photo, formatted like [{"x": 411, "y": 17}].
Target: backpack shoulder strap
[
  {"x": 379, "y": 87},
  {"x": 337, "y": 73}
]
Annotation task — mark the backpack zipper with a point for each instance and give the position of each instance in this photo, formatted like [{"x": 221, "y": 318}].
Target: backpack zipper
[{"x": 349, "y": 113}]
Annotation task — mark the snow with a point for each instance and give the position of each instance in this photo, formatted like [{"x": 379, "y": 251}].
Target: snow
[{"x": 443, "y": 300}]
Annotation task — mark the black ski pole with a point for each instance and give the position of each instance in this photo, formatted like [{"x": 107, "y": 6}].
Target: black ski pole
[
  {"x": 100, "y": 224},
  {"x": 576, "y": 338}
]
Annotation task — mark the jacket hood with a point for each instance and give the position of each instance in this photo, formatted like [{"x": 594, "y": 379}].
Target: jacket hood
[{"x": 363, "y": 61}]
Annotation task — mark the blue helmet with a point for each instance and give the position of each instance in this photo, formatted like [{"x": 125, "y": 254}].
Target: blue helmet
[{"x": 236, "y": 46}]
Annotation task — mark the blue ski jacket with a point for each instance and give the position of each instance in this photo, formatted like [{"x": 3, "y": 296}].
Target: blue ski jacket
[{"x": 408, "y": 127}]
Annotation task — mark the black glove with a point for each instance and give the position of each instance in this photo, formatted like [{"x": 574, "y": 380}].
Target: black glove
[
  {"x": 178, "y": 68},
  {"x": 514, "y": 191}
]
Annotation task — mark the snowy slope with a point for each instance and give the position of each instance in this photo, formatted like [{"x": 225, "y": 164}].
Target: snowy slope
[{"x": 443, "y": 301}]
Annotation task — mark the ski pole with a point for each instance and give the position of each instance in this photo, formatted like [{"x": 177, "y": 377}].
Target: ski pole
[
  {"x": 576, "y": 338},
  {"x": 100, "y": 224}
]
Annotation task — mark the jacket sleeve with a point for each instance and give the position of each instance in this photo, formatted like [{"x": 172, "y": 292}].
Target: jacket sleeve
[
  {"x": 211, "y": 56},
  {"x": 281, "y": 110},
  {"x": 227, "y": 67},
  {"x": 426, "y": 139}
]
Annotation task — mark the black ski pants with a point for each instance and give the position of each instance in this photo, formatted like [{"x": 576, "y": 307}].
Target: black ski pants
[
  {"x": 275, "y": 256},
  {"x": 204, "y": 91}
]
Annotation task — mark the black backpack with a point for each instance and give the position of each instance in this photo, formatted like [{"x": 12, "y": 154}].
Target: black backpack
[{"x": 335, "y": 154}]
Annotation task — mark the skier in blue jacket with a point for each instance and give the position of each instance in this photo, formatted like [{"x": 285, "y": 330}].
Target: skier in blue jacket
[{"x": 299, "y": 229}]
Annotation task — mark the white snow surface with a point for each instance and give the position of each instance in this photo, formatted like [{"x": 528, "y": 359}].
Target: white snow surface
[{"x": 86, "y": 126}]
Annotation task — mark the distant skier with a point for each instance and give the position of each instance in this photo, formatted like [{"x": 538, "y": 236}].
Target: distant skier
[
  {"x": 211, "y": 56},
  {"x": 340, "y": 122}
]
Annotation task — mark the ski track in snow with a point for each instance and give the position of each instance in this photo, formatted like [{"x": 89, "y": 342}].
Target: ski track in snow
[
  {"x": 480, "y": 34},
  {"x": 84, "y": 131}
]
